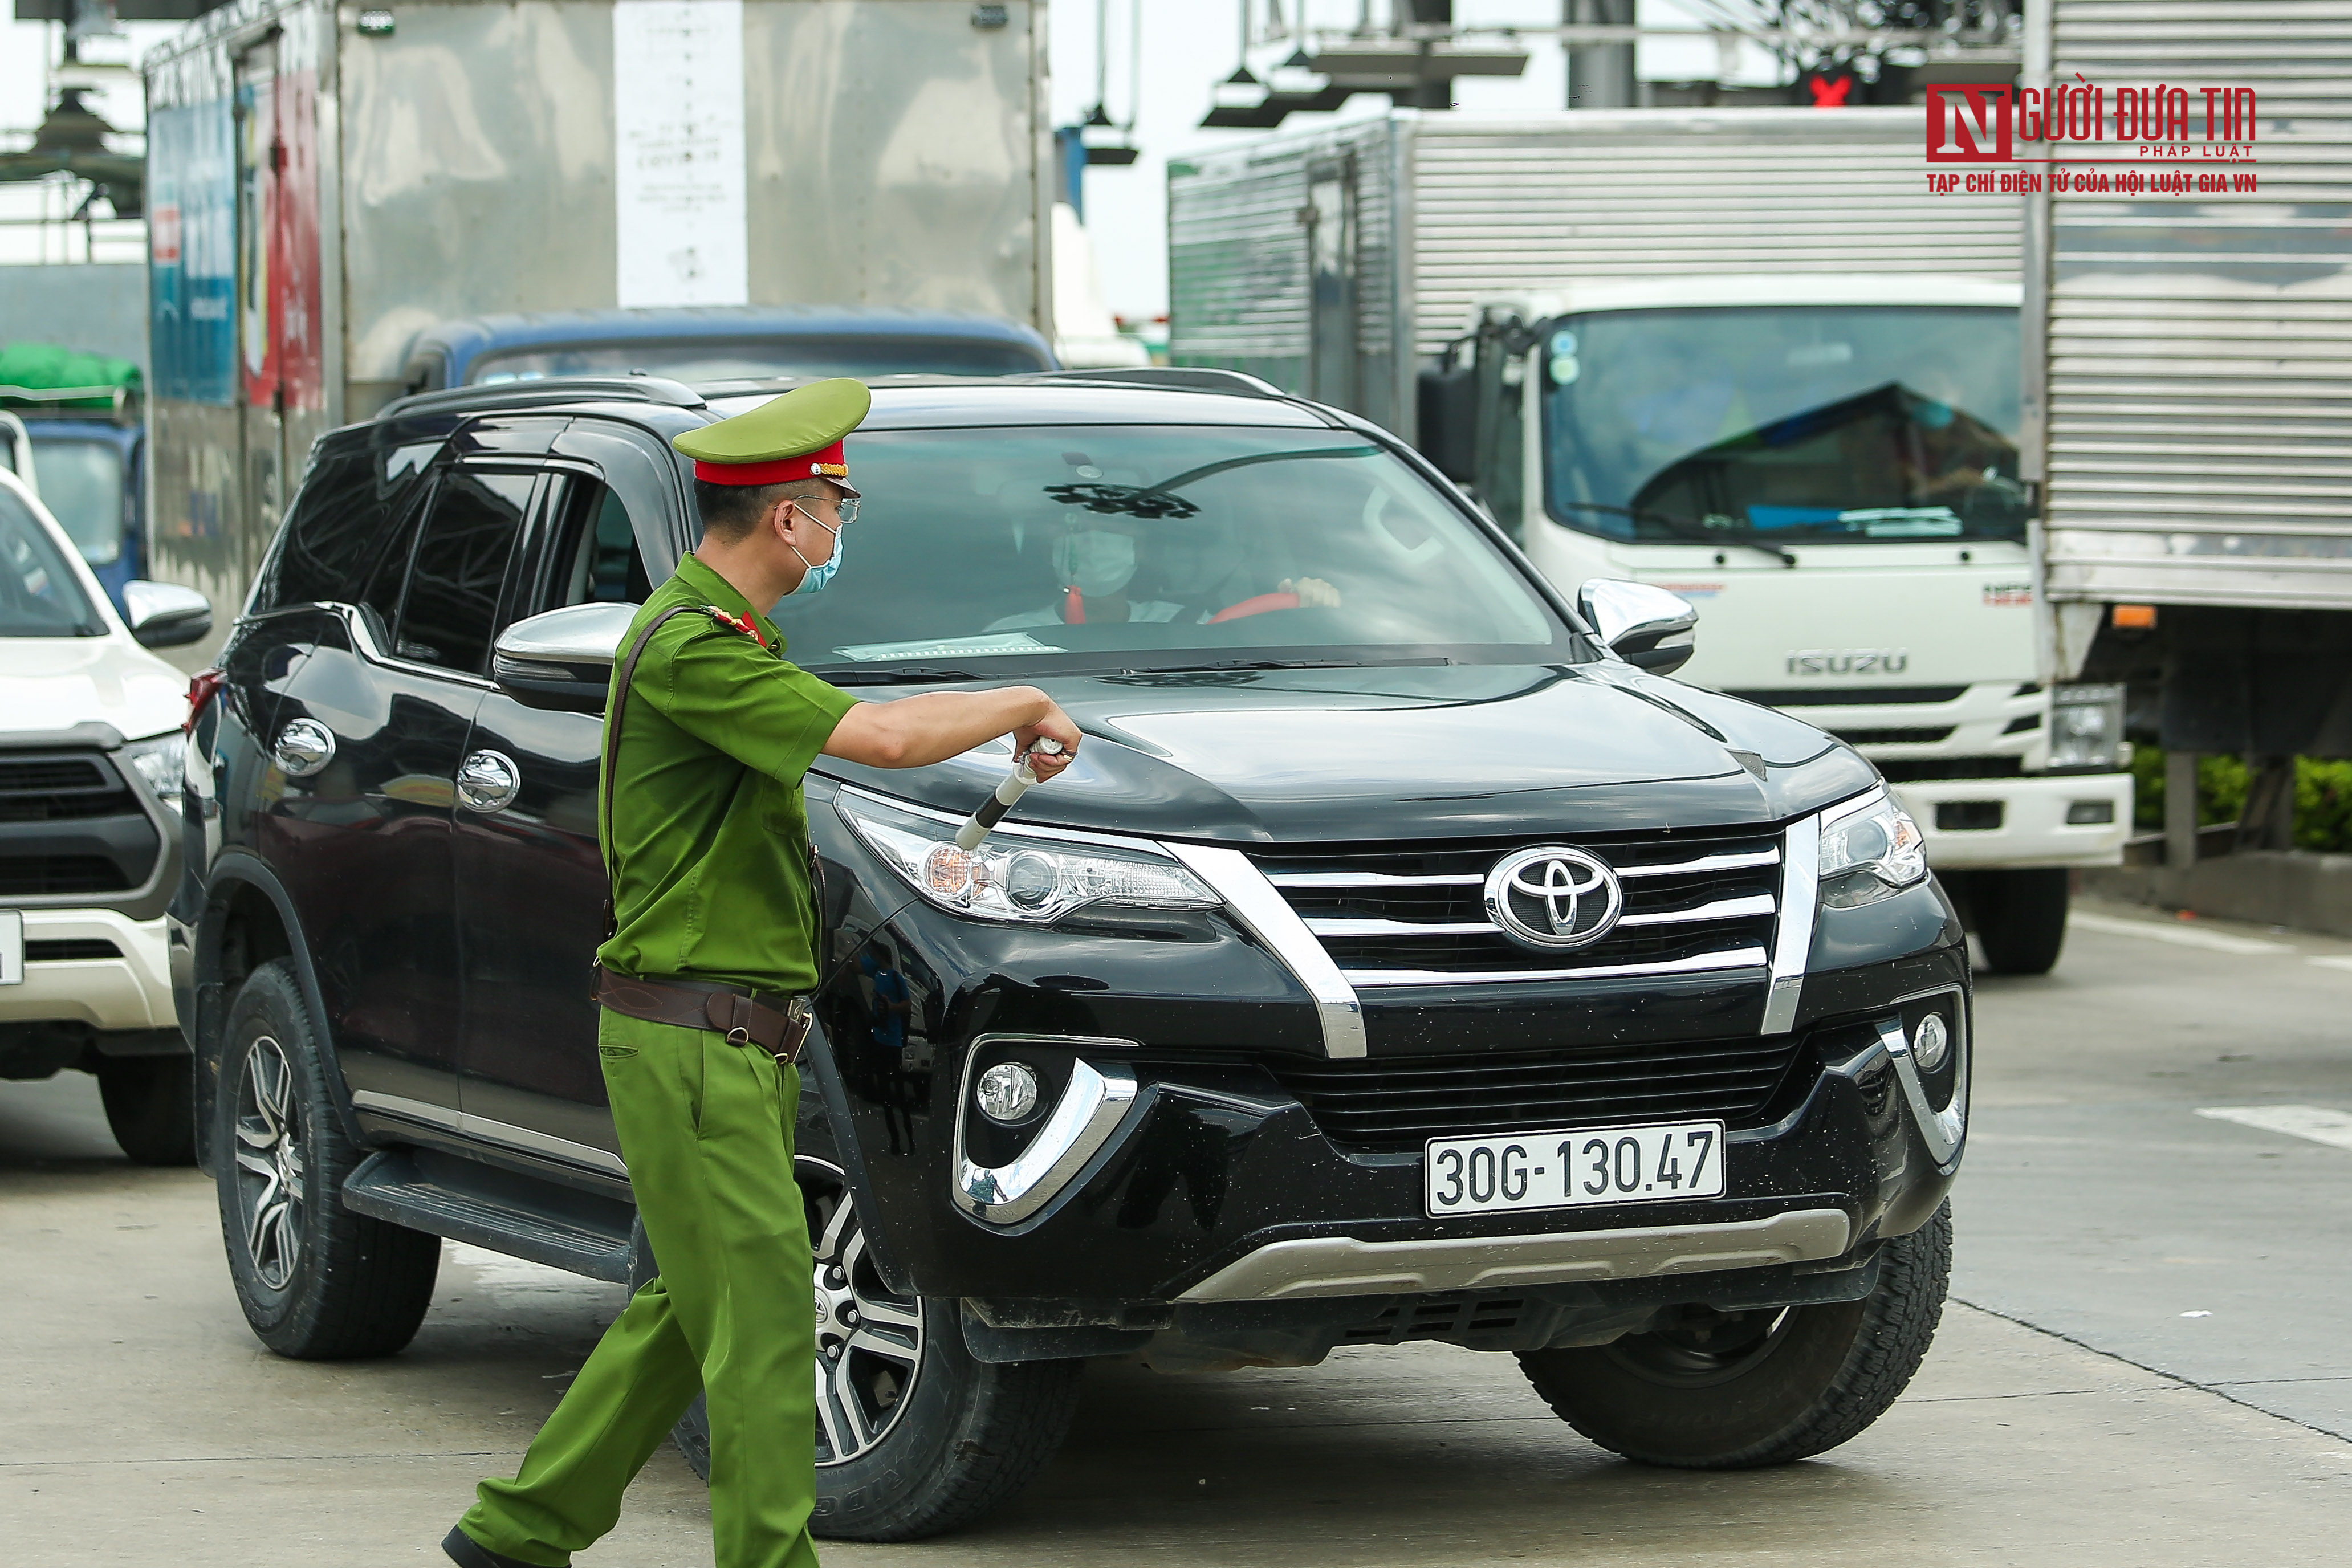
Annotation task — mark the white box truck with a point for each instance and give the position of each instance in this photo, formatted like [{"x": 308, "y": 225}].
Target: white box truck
[
  {"x": 2189, "y": 372},
  {"x": 326, "y": 182},
  {"x": 1746, "y": 355}
]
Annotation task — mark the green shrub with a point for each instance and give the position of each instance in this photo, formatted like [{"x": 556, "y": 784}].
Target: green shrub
[{"x": 2322, "y": 797}]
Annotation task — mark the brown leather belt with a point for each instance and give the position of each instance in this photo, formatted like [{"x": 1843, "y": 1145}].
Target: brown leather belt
[{"x": 777, "y": 1024}]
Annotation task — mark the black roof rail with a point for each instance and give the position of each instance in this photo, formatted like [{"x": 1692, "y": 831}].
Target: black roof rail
[
  {"x": 547, "y": 389},
  {"x": 1178, "y": 378}
]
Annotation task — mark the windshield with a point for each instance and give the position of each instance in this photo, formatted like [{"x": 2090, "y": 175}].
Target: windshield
[
  {"x": 38, "y": 595},
  {"x": 81, "y": 485},
  {"x": 733, "y": 359},
  {"x": 1140, "y": 548},
  {"x": 1784, "y": 424}
]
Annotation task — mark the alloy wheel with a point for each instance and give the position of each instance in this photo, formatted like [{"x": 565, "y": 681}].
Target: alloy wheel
[
  {"x": 272, "y": 1175},
  {"x": 869, "y": 1339},
  {"x": 1706, "y": 1348}
]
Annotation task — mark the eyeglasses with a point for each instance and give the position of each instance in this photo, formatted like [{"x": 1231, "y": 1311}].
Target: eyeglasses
[{"x": 847, "y": 507}]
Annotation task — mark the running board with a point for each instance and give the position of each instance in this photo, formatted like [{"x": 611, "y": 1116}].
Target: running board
[{"x": 442, "y": 1194}]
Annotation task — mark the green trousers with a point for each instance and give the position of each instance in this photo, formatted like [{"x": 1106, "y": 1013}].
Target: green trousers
[{"x": 706, "y": 1129}]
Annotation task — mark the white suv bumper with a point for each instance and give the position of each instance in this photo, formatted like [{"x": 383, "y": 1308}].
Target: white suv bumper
[
  {"x": 2031, "y": 828},
  {"x": 130, "y": 990}
]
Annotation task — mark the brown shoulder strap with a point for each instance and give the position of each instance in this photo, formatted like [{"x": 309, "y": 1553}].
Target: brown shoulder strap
[{"x": 613, "y": 745}]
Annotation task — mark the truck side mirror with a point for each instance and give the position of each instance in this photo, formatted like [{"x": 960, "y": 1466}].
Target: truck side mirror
[
  {"x": 1645, "y": 626},
  {"x": 1448, "y": 414},
  {"x": 164, "y": 614},
  {"x": 561, "y": 660}
]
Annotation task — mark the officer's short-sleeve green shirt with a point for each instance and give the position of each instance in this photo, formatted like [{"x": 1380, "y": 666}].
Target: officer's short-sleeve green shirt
[{"x": 709, "y": 840}]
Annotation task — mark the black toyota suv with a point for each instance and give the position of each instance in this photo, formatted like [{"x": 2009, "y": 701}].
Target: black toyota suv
[{"x": 1404, "y": 957}]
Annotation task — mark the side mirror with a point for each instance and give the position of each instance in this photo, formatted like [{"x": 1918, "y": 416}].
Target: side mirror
[
  {"x": 1647, "y": 627},
  {"x": 1447, "y": 427},
  {"x": 164, "y": 614},
  {"x": 561, "y": 660}
]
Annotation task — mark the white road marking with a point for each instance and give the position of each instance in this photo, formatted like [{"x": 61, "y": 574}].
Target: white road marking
[
  {"x": 2180, "y": 936},
  {"x": 2314, "y": 1121},
  {"x": 2331, "y": 963}
]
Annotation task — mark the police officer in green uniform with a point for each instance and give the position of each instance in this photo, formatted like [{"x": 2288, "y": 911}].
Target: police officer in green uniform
[{"x": 704, "y": 987}]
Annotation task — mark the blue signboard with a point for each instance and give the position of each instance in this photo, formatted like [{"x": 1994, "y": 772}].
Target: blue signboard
[{"x": 192, "y": 237}]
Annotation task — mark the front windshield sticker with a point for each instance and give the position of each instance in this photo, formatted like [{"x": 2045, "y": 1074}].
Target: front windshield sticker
[{"x": 1016, "y": 643}]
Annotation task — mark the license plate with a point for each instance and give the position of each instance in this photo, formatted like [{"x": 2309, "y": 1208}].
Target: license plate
[
  {"x": 12, "y": 948},
  {"x": 1574, "y": 1168}
]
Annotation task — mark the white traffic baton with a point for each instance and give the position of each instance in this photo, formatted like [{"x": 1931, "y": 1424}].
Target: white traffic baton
[{"x": 1016, "y": 784}]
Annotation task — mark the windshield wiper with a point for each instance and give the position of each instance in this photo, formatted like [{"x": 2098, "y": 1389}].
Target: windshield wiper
[
  {"x": 869, "y": 676},
  {"x": 1682, "y": 527}
]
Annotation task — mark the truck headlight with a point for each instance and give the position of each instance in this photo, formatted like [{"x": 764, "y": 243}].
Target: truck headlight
[
  {"x": 1036, "y": 880},
  {"x": 159, "y": 764},
  {"x": 1870, "y": 850},
  {"x": 2086, "y": 729}
]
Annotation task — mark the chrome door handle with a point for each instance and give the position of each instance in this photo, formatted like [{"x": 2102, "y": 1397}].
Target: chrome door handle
[
  {"x": 488, "y": 781},
  {"x": 303, "y": 748}
]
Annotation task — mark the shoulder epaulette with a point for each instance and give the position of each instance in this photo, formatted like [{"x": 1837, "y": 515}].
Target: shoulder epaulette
[{"x": 741, "y": 623}]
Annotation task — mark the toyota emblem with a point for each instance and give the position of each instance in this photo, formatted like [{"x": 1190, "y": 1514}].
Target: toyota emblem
[{"x": 1553, "y": 896}]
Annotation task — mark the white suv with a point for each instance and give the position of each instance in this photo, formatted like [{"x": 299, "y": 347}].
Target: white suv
[{"x": 90, "y": 757}]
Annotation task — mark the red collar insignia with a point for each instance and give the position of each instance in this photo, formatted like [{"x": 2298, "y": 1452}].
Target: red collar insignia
[{"x": 743, "y": 623}]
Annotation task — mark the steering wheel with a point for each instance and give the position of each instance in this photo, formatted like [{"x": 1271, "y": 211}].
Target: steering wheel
[{"x": 1258, "y": 605}]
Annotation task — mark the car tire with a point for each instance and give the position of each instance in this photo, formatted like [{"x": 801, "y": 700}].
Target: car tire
[
  {"x": 955, "y": 1439},
  {"x": 316, "y": 1282},
  {"x": 1741, "y": 1390},
  {"x": 151, "y": 1107},
  {"x": 2021, "y": 918}
]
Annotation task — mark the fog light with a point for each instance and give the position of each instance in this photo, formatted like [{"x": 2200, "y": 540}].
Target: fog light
[
  {"x": 2083, "y": 813},
  {"x": 1931, "y": 1042},
  {"x": 1007, "y": 1092}
]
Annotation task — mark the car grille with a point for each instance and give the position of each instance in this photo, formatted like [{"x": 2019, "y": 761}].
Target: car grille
[
  {"x": 70, "y": 824},
  {"x": 55, "y": 788},
  {"x": 1398, "y": 1102},
  {"x": 1696, "y": 904}
]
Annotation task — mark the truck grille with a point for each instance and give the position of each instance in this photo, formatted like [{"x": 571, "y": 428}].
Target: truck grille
[
  {"x": 70, "y": 824},
  {"x": 53, "y": 789},
  {"x": 1698, "y": 903},
  {"x": 1398, "y": 1103}
]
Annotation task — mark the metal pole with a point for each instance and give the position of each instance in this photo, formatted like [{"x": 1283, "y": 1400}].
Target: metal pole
[
  {"x": 2179, "y": 810},
  {"x": 1600, "y": 75}
]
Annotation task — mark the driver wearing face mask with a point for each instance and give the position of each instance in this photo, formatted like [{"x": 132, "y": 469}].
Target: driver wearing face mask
[{"x": 1096, "y": 565}]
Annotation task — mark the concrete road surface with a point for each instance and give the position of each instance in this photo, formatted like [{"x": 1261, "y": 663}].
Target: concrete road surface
[{"x": 2151, "y": 1371}]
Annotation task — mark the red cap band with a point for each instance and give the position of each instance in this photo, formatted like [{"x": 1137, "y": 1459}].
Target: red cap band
[{"x": 827, "y": 463}]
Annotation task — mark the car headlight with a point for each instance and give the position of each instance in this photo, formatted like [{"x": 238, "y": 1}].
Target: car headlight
[
  {"x": 1869, "y": 851},
  {"x": 1025, "y": 879},
  {"x": 2086, "y": 729},
  {"x": 159, "y": 764}
]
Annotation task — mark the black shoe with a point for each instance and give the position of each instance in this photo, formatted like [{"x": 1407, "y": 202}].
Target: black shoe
[{"x": 469, "y": 1553}]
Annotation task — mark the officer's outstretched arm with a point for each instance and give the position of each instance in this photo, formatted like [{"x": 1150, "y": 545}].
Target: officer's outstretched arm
[{"x": 917, "y": 731}]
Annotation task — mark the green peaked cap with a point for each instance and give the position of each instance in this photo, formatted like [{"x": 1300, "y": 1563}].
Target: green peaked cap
[{"x": 804, "y": 420}]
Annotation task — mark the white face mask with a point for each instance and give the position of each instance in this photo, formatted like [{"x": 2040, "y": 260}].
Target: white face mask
[{"x": 1094, "y": 562}]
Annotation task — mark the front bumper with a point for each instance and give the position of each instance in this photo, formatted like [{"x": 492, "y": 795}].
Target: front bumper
[
  {"x": 129, "y": 991},
  {"x": 2025, "y": 819},
  {"x": 1193, "y": 1178}
]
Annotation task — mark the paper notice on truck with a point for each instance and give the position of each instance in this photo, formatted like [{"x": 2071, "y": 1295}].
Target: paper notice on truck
[{"x": 678, "y": 132}]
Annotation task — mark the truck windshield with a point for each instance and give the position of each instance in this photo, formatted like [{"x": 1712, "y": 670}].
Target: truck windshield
[
  {"x": 81, "y": 485},
  {"x": 39, "y": 594},
  {"x": 729, "y": 359},
  {"x": 1146, "y": 549},
  {"x": 1784, "y": 424}
]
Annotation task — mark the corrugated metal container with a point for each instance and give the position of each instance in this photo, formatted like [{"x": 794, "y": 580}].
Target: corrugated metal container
[
  {"x": 321, "y": 191},
  {"x": 2199, "y": 369},
  {"x": 1492, "y": 205}
]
